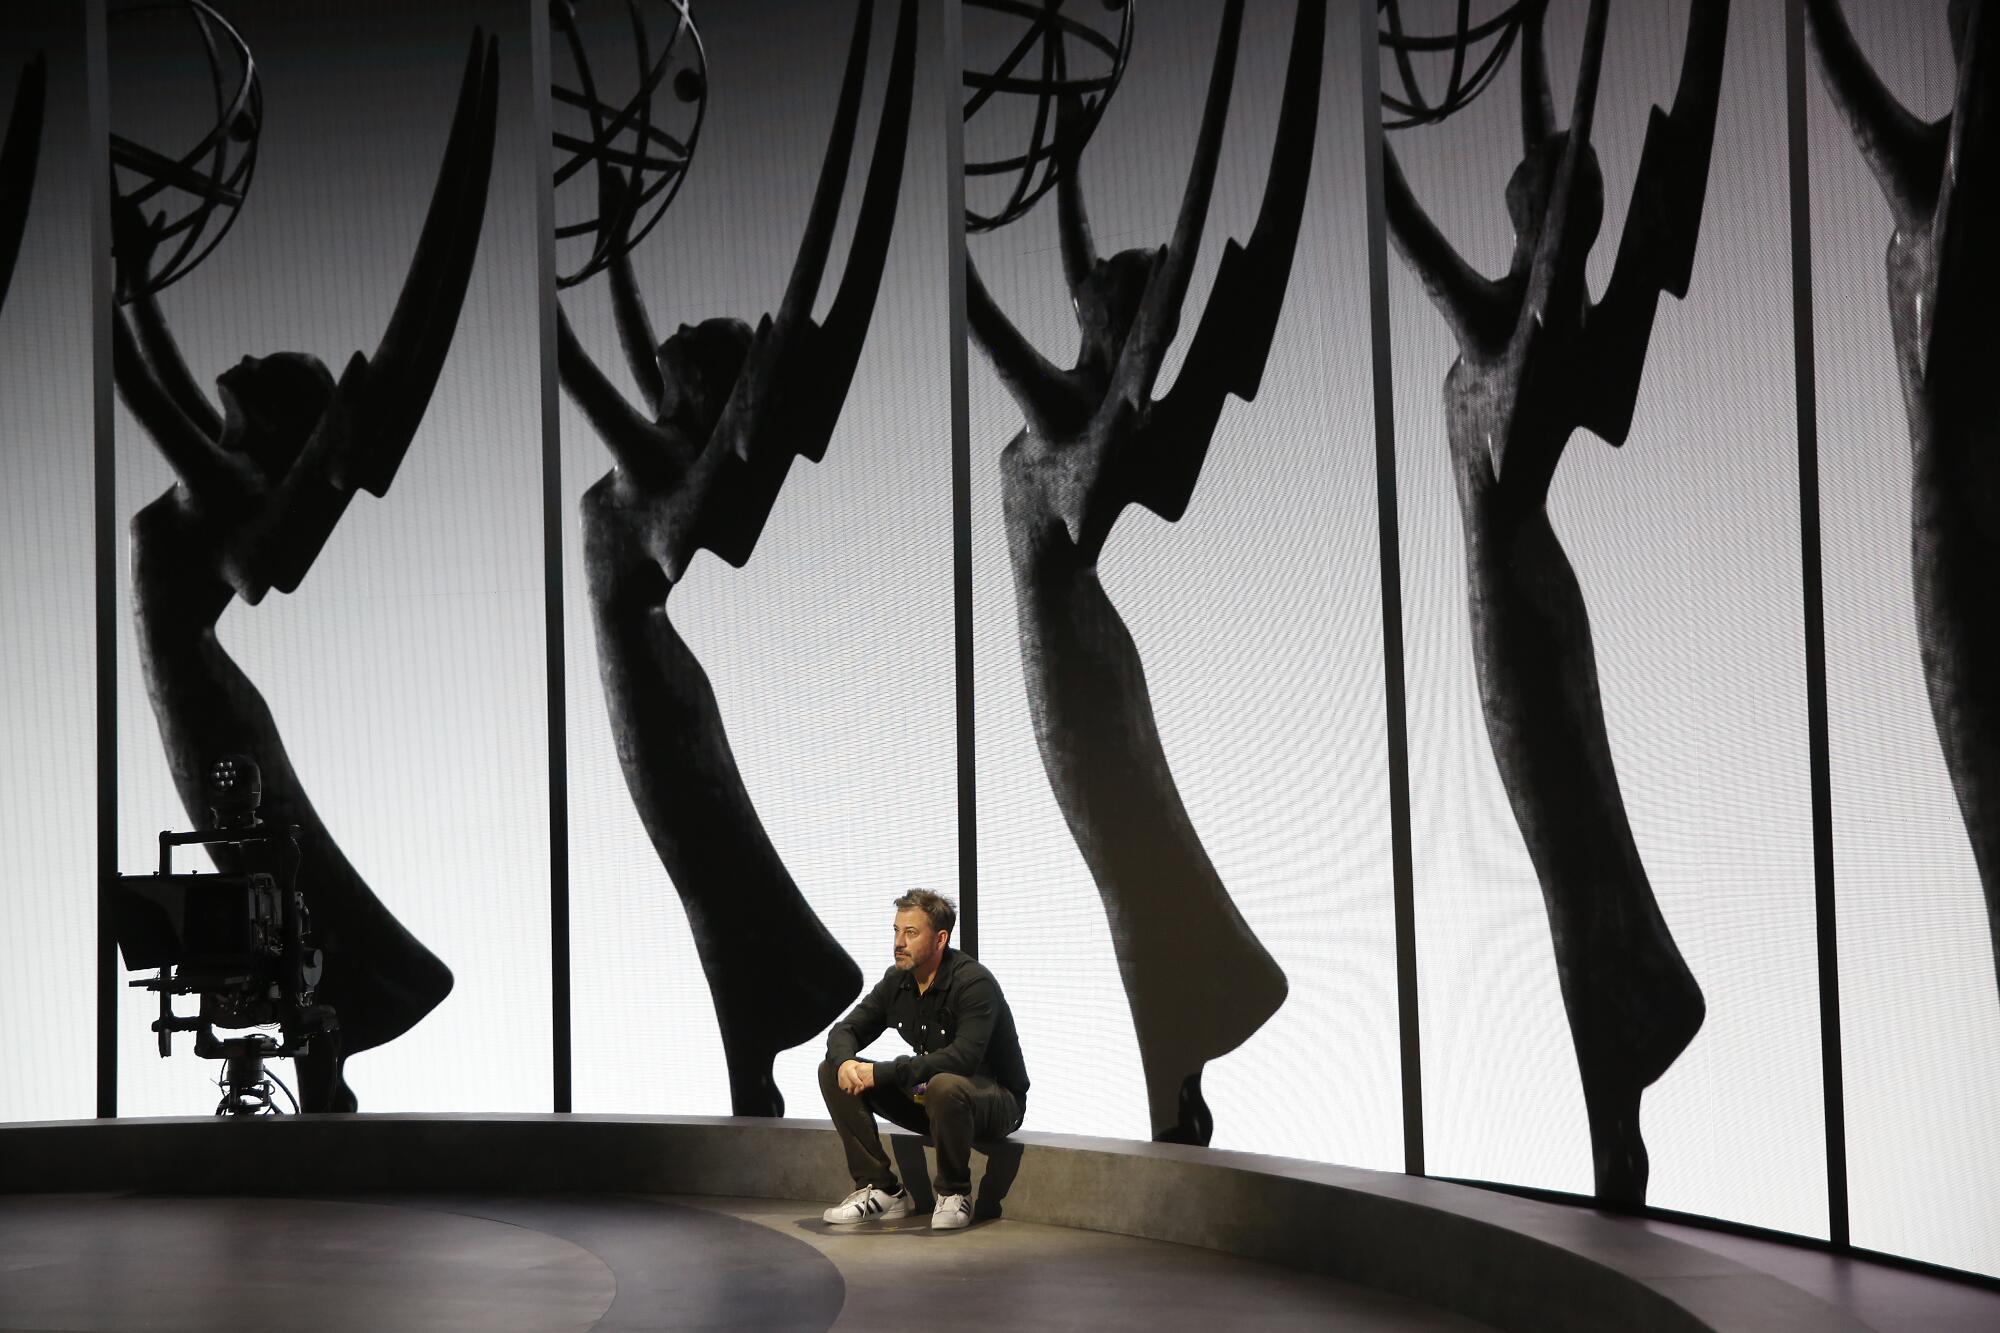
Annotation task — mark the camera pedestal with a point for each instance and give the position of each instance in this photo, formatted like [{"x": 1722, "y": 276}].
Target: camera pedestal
[{"x": 246, "y": 1085}]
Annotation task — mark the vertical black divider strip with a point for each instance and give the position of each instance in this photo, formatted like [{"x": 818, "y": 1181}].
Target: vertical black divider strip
[
  {"x": 104, "y": 504},
  {"x": 1815, "y": 628},
  {"x": 953, "y": 56},
  {"x": 552, "y": 555},
  {"x": 1389, "y": 542}
]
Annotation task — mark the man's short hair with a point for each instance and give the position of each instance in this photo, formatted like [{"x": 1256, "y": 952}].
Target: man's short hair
[{"x": 933, "y": 905}]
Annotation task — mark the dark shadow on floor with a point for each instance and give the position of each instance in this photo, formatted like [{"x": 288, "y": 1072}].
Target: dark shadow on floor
[{"x": 1002, "y": 1159}]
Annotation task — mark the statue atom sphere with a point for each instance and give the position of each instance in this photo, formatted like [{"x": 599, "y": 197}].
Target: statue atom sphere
[
  {"x": 652, "y": 154},
  {"x": 1035, "y": 79},
  {"x": 207, "y": 182}
]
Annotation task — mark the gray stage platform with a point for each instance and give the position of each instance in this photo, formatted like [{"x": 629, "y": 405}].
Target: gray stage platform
[
  {"x": 618, "y": 1264},
  {"x": 1282, "y": 1240}
]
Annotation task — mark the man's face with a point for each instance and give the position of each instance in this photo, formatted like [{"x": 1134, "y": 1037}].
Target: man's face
[{"x": 917, "y": 945}]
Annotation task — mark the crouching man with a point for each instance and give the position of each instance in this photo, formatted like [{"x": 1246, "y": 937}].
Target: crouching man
[{"x": 965, "y": 1080}]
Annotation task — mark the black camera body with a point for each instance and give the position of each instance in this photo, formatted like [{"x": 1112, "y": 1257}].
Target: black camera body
[{"x": 228, "y": 938}]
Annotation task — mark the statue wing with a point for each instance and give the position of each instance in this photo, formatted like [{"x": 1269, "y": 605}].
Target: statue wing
[
  {"x": 795, "y": 379},
  {"x": 379, "y": 402},
  {"x": 18, "y": 156},
  {"x": 1656, "y": 253},
  {"x": 405, "y": 368},
  {"x": 1233, "y": 341},
  {"x": 1159, "y": 315},
  {"x": 835, "y": 345},
  {"x": 1959, "y": 353}
]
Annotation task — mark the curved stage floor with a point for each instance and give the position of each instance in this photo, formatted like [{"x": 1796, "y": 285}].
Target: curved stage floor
[
  {"x": 109, "y": 1264},
  {"x": 501, "y": 1222}
]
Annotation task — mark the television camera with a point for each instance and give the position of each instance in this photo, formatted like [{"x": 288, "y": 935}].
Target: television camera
[{"x": 237, "y": 939}]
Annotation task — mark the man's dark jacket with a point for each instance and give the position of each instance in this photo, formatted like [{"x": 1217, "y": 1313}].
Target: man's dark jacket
[{"x": 961, "y": 1025}]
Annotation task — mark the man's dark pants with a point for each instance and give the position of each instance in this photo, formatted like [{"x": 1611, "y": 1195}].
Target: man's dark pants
[{"x": 955, "y": 1112}]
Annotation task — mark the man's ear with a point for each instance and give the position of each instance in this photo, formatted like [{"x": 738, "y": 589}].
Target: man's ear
[{"x": 944, "y": 939}]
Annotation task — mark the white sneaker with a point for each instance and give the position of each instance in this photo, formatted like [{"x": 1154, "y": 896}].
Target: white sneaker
[
  {"x": 869, "y": 1204},
  {"x": 952, "y": 1212}
]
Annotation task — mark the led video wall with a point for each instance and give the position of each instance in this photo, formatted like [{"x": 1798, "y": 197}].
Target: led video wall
[
  {"x": 1597, "y": 475},
  {"x": 757, "y": 591},
  {"x": 651, "y": 483},
  {"x": 1919, "y": 1008},
  {"x": 1184, "y": 838},
  {"x": 48, "y": 780},
  {"x": 335, "y": 565}
]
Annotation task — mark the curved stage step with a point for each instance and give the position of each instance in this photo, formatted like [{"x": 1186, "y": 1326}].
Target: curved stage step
[{"x": 1503, "y": 1261}]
